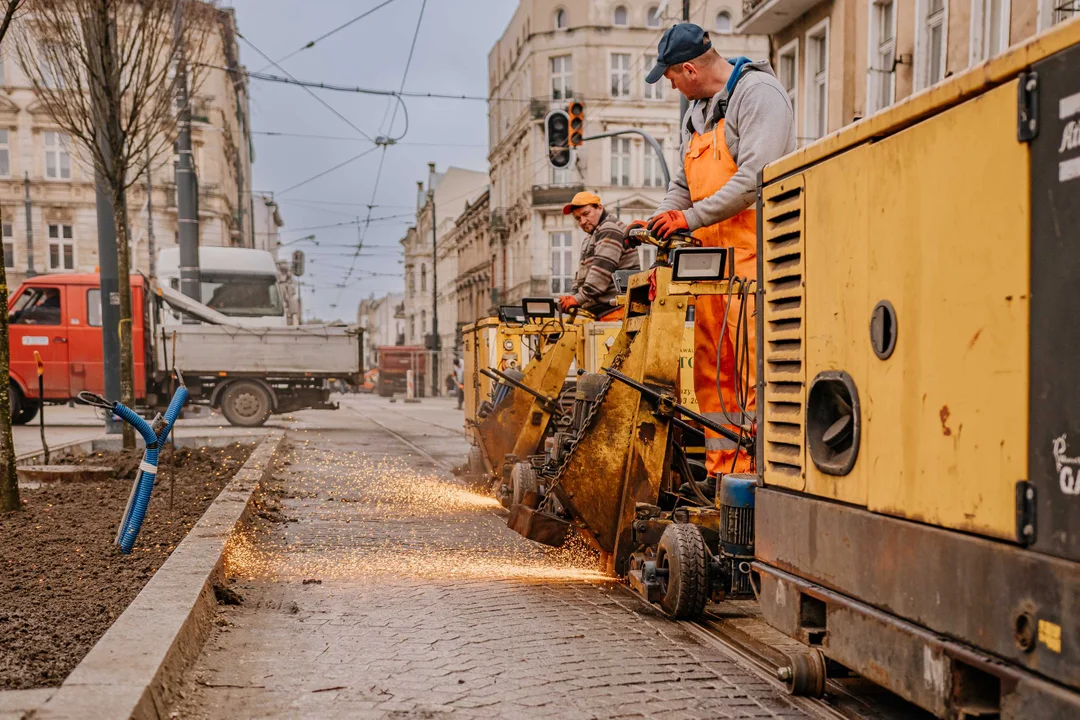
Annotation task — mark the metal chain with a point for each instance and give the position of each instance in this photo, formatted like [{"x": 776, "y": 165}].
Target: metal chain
[{"x": 557, "y": 473}]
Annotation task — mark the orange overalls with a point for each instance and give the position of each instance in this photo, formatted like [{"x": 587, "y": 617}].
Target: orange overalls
[{"x": 709, "y": 166}]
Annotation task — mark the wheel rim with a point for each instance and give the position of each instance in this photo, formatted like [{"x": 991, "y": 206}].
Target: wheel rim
[{"x": 247, "y": 404}]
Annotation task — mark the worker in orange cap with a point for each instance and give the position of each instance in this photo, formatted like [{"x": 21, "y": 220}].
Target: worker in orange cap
[
  {"x": 739, "y": 119},
  {"x": 602, "y": 254}
]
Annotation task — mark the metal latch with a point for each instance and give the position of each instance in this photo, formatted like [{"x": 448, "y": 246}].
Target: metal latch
[
  {"x": 1027, "y": 107},
  {"x": 1025, "y": 512}
]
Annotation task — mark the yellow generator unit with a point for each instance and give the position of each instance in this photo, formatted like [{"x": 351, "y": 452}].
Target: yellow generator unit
[{"x": 919, "y": 515}]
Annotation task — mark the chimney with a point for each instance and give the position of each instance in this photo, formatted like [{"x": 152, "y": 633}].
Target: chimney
[
  {"x": 419, "y": 194},
  {"x": 431, "y": 177}
]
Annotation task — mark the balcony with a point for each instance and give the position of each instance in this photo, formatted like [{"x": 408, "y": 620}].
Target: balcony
[
  {"x": 765, "y": 17},
  {"x": 498, "y": 220},
  {"x": 554, "y": 194}
]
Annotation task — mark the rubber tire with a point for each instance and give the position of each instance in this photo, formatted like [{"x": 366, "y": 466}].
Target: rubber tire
[
  {"x": 686, "y": 589},
  {"x": 246, "y": 391},
  {"x": 523, "y": 479},
  {"x": 16, "y": 399},
  {"x": 28, "y": 410}
]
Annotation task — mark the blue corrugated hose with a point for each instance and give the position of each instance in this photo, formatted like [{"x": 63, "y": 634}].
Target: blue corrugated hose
[{"x": 144, "y": 481}]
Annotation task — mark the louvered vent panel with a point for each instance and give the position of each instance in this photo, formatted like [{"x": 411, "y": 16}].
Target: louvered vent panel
[{"x": 783, "y": 224}]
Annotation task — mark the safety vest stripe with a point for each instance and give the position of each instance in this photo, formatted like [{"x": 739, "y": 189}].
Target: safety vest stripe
[{"x": 719, "y": 443}]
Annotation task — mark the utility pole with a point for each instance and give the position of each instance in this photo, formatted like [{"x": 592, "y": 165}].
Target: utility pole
[
  {"x": 683, "y": 102},
  {"x": 150, "y": 217},
  {"x": 434, "y": 286},
  {"x": 186, "y": 184},
  {"x": 30, "y": 271}
]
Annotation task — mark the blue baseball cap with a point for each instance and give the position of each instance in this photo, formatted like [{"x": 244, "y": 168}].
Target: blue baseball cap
[{"x": 681, "y": 43}]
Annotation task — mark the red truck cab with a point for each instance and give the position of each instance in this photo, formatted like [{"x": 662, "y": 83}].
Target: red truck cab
[
  {"x": 394, "y": 363},
  {"x": 59, "y": 316}
]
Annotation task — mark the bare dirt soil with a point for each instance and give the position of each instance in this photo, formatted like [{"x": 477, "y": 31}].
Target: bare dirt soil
[{"x": 63, "y": 582}]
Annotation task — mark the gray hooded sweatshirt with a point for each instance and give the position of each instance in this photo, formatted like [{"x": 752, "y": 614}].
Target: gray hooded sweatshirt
[{"x": 759, "y": 129}]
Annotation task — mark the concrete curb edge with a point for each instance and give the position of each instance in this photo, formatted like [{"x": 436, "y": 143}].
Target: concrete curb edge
[{"x": 128, "y": 672}]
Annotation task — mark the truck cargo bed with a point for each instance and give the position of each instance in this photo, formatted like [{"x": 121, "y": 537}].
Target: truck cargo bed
[{"x": 305, "y": 350}]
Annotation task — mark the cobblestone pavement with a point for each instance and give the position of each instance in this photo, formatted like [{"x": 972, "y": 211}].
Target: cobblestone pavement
[{"x": 419, "y": 602}]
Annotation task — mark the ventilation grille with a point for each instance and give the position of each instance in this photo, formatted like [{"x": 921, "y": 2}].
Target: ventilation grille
[{"x": 783, "y": 224}]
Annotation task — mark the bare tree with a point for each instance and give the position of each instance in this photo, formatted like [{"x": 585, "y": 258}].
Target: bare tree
[
  {"x": 9, "y": 481},
  {"x": 106, "y": 73}
]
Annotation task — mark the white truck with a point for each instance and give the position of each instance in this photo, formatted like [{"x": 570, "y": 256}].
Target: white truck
[{"x": 240, "y": 283}]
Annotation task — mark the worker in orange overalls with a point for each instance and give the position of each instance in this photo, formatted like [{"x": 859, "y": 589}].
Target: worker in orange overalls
[{"x": 739, "y": 119}]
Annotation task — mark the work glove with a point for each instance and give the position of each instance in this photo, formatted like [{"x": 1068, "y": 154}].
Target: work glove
[
  {"x": 568, "y": 303},
  {"x": 667, "y": 223},
  {"x": 628, "y": 241}
]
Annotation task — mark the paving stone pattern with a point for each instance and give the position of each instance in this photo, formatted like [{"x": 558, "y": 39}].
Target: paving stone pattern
[{"x": 436, "y": 639}]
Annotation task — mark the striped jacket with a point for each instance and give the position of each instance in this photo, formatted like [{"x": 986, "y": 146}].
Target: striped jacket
[{"x": 602, "y": 254}]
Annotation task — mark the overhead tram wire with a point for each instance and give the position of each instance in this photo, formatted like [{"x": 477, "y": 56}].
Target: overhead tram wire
[
  {"x": 382, "y": 156},
  {"x": 307, "y": 89},
  {"x": 337, "y": 29},
  {"x": 356, "y": 139},
  {"x": 328, "y": 170}
]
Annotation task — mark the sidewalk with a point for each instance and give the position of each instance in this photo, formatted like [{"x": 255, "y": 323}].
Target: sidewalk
[{"x": 388, "y": 592}]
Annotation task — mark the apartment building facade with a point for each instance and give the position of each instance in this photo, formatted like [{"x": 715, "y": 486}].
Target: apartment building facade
[
  {"x": 470, "y": 239},
  {"x": 842, "y": 60},
  {"x": 444, "y": 199},
  {"x": 552, "y": 52},
  {"x": 45, "y": 177}
]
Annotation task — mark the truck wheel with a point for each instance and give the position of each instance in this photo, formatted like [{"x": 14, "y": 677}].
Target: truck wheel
[
  {"x": 22, "y": 410},
  {"x": 682, "y": 570},
  {"x": 246, "y": 404}
]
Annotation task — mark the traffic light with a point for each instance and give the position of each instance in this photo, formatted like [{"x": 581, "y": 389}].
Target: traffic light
[
  {"x": 577, "y": 122},
  {"x": 557, "y": 130}
]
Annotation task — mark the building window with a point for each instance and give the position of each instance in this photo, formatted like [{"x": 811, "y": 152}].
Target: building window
[
  {"x": 652, "y": 17},
  {"x": 723, "y": 22},
  {"x": 933, "y": 15},
  {"x": 5, "y": 154},
  {"x": 562, "y": 74},
  {"x": 881, "y": 79},
  {"x": 563, "y": 266},
  {"x": 817, "y": 81},
  {"x": 61, "y": 247},
  {"x": 787, "y": 72},
  {"x": 622, "y": 17},
  {"x": 655, "y": 91},
  {"x": 57, "y": 157},
  {"x": 560, "y": 19},
  {"x": 7, "y": 230},
  {"x": 1052, "y": 12},
  {"x": 654, "y": 175},
  {"x": 423, "y": 278},
  {"x": 562, "y": 176},
  {"x": 620, "y": 161},
  {"x": 423, "y": 322},
  {"x": 989, "y": 28},
  {"x": 620, "y": 75},
  {"x": 646, "y": 256}
]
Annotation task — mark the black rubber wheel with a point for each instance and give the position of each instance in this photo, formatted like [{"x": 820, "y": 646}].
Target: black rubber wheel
[
  {"x": 246, "y": 404},
  {"x": 685, "y": 584},
  {"x": 806, "y": 675},
  {"x": 523, "y": 479},
  {"x": 22, "y": 410},
  {"x": 28, "y": 410}
]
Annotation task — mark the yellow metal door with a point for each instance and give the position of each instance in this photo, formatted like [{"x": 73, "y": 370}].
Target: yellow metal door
[{"x": 946, "y": 415}]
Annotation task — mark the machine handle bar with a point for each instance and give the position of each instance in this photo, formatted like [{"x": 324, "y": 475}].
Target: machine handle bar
[
  {"x": 655, "y": 396},
  {"x": 497, "y": 375}
]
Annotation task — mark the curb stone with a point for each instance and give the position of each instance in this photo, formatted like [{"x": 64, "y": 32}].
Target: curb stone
[{"x": 128, "y": 673}]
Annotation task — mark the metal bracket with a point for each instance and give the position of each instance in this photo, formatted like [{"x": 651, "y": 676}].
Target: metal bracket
[
  {"x": 1025, "y": 513},
  {"x": 1027, "y": 107}
]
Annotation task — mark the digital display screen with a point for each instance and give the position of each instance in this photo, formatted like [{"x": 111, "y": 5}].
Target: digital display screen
[{"x": 700, "y": 264}]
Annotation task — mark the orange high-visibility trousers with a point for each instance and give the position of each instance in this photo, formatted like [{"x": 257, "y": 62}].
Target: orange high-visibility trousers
[{"x": 709, "y": 165}]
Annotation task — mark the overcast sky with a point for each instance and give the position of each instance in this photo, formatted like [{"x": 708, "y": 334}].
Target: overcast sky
[{"x": 450, "y": 57}]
